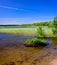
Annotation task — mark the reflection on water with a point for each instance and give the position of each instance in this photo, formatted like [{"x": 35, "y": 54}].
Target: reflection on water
[
  {"x": 49, "y": 43},
  {"x": 6, "y": 39},
  {"x": 17, "y": 26},
  {"x": 13, "y": 52}
]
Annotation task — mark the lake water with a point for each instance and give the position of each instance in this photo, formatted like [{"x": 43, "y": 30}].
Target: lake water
[
  {"x": 13, "y": 52},
  {"x": 18, "y": 26},
  {"x": 9, "y": 39}
]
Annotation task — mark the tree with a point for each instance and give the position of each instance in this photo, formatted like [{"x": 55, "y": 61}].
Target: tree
[
  {"x": 55, "y": 21},
  {"x": 55, "y": 26}
]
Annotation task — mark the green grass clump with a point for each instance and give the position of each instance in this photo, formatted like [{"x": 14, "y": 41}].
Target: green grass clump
[{"x": 35, "y": 42}]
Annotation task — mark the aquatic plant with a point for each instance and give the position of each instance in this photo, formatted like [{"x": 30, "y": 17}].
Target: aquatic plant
[{"x": 35, "y": 42}]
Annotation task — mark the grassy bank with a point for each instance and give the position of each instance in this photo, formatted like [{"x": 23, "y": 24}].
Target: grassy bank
[
  {"x": 43, "y": 31},
  {"x": 19, "y": 31}
]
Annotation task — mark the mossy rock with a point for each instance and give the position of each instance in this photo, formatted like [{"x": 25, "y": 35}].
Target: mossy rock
[{"x": 35, "y": 42}]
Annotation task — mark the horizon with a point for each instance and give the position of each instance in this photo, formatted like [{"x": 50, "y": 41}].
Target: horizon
[
  {"x": 9, "y": 21},
  {"x": 27, "y": 11}
]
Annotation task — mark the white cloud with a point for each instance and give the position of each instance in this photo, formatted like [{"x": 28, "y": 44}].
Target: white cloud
[{"x": 14, "y": 8}]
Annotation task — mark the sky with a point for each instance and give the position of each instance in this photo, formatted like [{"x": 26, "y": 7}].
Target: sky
[{"x": 27, "y": 11}]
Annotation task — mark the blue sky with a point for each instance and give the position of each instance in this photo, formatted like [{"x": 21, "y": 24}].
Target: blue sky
[{"x": 27, "y": 11}]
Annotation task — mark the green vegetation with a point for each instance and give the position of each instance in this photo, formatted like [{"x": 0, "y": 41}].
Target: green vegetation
[
  {"x": 42, "y": 29},
  {"x": 19, "y": 31},
  {"x": 38, "y": 24},
  {"x": 55, "y": 26},
  {"x": 35, "y": 42},
  {"x": 40, "y": 32},
  {"x": 55, "y": 21}
]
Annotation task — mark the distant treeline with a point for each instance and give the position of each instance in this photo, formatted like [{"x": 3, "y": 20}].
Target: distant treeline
[
  {"x": 38, "y": 24},
  {"x": 50, "y": 23},
  {"x": 54, "y": 22},
  {"x": 10, "y": 25},
  {"x": 34, "y": 24}
]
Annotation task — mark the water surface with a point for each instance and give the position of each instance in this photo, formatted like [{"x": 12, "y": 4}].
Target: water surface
[{"x": 13, "y": 52}]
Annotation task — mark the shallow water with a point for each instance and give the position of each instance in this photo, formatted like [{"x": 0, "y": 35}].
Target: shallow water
[
  {"x": 13, "y": 52},
  {"x": 9, "y": 39}
]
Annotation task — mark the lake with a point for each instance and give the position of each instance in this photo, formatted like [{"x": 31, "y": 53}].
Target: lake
[{"x": 13, "y": 52}]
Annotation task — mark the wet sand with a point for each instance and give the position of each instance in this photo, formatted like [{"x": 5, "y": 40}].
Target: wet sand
[{"x": 13, "y": 52}]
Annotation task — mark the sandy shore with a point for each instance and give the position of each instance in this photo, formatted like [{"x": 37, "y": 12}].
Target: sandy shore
[
  {"x": 15, "y": 53},
  {"x": 20, "y": 55}
]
